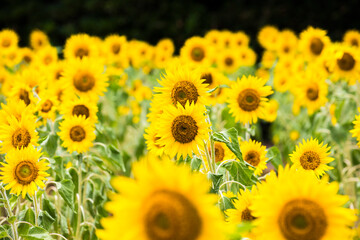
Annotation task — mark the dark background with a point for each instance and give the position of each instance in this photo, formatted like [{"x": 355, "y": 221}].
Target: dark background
[{"x": 152, "y": 20}]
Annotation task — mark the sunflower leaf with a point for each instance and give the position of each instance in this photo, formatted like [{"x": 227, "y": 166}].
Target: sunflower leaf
[
  {"x": 274, "y": 156},
  {"x": 66, "y": 190},
  {"x": 240, "y": 172},
  {"x": 50, "y": 144},
  {"x": 37, "y": 233},
  {"x": 230, "y": 138}
]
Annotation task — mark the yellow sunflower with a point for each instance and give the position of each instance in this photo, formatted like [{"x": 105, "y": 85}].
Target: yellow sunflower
[
  {"x": 352, "y": 38},
  {"x": 166, "y": 46},
  {"x": 312, "y": 42},
  {"x": 239, "y": 39},
  {"x": 268, "y": 37},
  {"x": 197, "y": 50},
  {"x": 152, "y": 137},
  {"x": 181, "y": 84},
  {"x": 47, "y": 105},
  {"x": 271, "y": 110},
  {"x": 247, "y": 99},
  {"x": 287, "y": 44},
  {"x": 79, "y": 106},
  {"x": 115, "y": 45},
  {"x": 312, "y": 156},
  {"x": 295, "y": 205},
  {"x": 254, "y": 154},
  {"x": 281, "y": 80},
  {"x": 85, "y": 78},
  {"x": 214, "y": 78},
  {"x": 15, "y": 108},
  {"x": 18, "y": 134},
  {"x": 38, "y": 39},
  {"x": 27, "y": 55},
  {"x": 182, "y": 129},
  {"x": 356, "y": 131},
  {"x": 80, "y": 46},
  {"x": 32, "y": 78},
  {"x": 77, "y": 133},
  {"x": 222, "y": 152},
  {"x": 268, "y": 59},
  {"x": 214, "y": 37},
  {"x": 8, "y": 40},
  {"x": 23, "y": 172},
  {"x": 163, "y": 201},
  {"x": 228, "y": 61},
  {"x": 247, "y": 56},
  {"x": 46, "y": 56}
]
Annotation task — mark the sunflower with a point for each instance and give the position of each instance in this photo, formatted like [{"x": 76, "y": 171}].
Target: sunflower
[
  {"x": 228, "y": 61},
  {"x": 24, "y": 173},
  {"x": 166, "y": 46},
  {"x": 18, "y": 134},
  {"x": 312, "y": 156},
  {"x": 181, "y": 84},
  {"x": 115, "y": 45},
  {"x": 247, "y": 99},
  {"x": 356, "y": 131},
  {"x": 214, "y": 78},
  {"x": 85, "y": 78},
  {"x": 79, "y": 106},
  {"x": 268, "y": 37},
  {"x": 77, "y": 133},
  {"x": 352, "y": 38},
  {"x": 46, "y": 56},
  {"x": 254, "y": 154},
  {"x": 38, "y": 39},
  {"x": 222, "y": 152},
  {"x": 239, "y": 39},
  {"x": 214, "y": 37},
  {"x": 197, "y": 50},
  {"x": 23, "y": 92},
  {"x": 271, "y": 111},
  {"x": 8, "y": 40},
  {"x": 268, "y": 59},
  {"x": 54, "y": 72},
  {"x": 226, "y": 39},
  {"x": 47, "y": 105},
  {"x": 27, "y": 55},
  {"x": 312, "y": 91},
  {"x": 12, "y": 57},
  {"x": 15, "y": 108},
  {"x": 287, "y": 44},
  {"x": 295, "y": 205},
  {"x": 294, "y": 135},
  {"x": 182, "y": 129},
  {"x": 312, "y": 42},
  {"x": 151, "y": 136},
  {"x": 80, "y": 46},
  {"x": 140, "y": 54},
  {"x": 163, "y": 201}
]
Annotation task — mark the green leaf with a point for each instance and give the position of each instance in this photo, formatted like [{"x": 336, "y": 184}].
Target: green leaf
[
  {"x": 13, "y": 201},
  {"x": 12, "y": 219},
  {"x": 37, "y": 233},
  {"x": 3, "y": 231},
  {"x": 50, "y": 144},
  {"x": 116, "y": 155},
  {"x": 216, "y": 180},
  {"x": 46, "y": 219},
  {"x": 195, "y": 163},
  {"x": 212, "y": 90},
  {"x": 240, "y": 172},
  {"x": 66, "y": 191},
  {"x": 226, "y": 203},
  {"x": 274, "y": 156},
  {"x": 28, "y": 217},
  {"x": 230, "y": 138}
]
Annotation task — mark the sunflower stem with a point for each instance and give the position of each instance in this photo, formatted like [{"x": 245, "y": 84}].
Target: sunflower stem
[
  {"x": 9, "y": 211},
  {"x": 36, "y": 208},
  {"x": 77, "y": 236},
  {"x": 247, "y": 131}
]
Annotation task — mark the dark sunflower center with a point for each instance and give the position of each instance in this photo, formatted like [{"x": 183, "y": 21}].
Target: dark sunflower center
[
  {"x": 229, "y": 61},
  {"x": 115, "y": 48},
  {"x": 208, "y": 78},
  {"x": 24, "y": 95},
  {"x": 171, "y": 216},
  {"x": 197, "y": 54},
  {"x": 249, "y": 100},
  {"x": 20, "y": 138},
  {"x": 6, "y": 43},
  {"x": 302, "y": 219},
  {"x": 346, "y": 62},
  {"x": 219, "y": 152},
  {"x": 316, "y": 46},
  {"x": 47, "y": 60},
  {"x": 81, "y": 52},
  {"x": 25, "y": 172},
  {"x": 84, "y": 82},
  {"x": 246, "y": 215},
  {"x": 39, "y": 42},
  {"x": 184, "y": 129},
  {"x": 312, "y": 93},
  {"x": 286, "y": 49},
  {"x": 27, "y": 59},
  {"x": 354, "y": 42},
  {"x": 47, "y": 105},
  {"x": 310, "y": 160},
  {"x": 77, "y": 133},
  {"x": 253, "y": 158},
  {"x": 81, "y": 110},
  {"x": 58, "y": 74},
  {"x": 184, "y": 91}
]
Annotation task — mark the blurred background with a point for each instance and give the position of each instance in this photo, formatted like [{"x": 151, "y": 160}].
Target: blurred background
[{"x": 152, "y": 20}]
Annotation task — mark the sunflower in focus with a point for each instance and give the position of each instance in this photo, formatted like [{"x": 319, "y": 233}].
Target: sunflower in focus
[
  {"x": 182, "y": 129},
  {"x": 181, "y": 84},
  {"x": 247, "y": 99},
  {"x": 312, "y": 42},
  {"x": 254, "y": 154},
  {"x": 80, "y": 46},
  {"x": 38, "y": 39},
  {"x": 85, "y": 78},
  {"x": 79, "y": 106},
  {"x": 268, "y": 37},
  {"x": 197, "y": 50},
  {"x": 352, "y": 38},
  {"x": 23, "y": 172},
  {"x": 171, "y": 202},
  {"x": 296, "y": 205},
  {"x": 310, "y": 155},
  {"x": 18, "y": 134},
  {"x": 8, "y": 40}
]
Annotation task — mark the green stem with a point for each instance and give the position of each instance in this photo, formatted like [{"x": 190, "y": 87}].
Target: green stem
[
  {"x": 247, "y": 131},
  {"x": 10, "y": 213},
  {"x": 36, "y": 208},
  {"x": 77, "y": 236}
]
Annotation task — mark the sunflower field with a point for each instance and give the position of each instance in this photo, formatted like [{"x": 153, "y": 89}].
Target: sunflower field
[{"x": 118, "y": 139}]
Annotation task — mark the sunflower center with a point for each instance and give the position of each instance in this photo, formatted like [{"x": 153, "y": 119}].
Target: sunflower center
[
  {"x": 302, "y": 219},
  {"x": 21, "y": 138},
  {"x": 253, "y": 158},
  {"x": 354, "y": 42},
  {"x": 84, "y": 82},
  {"x": 47, "y": 105},
  {"x": 310, "y": 160},
  {"x": 24, "y": 95},
  {"x": 316, "y": 46},
  {"x": 58, "y": 74},
  {"x": 48, "y": 60},
  {"x": 81, "y": 110},
  {"x": 246, "y": 215},
  {"x": 208, "y": 78},
  {"x": 312, "y": 93},
  {"x": 81, "y": 52},
  {"x": 184, "y": 129},
  {"x": 27, "y": 59},
  {"x": 25, "y": 172},
  {"x": 77, "y": 133},
  {"x": 249, "y": 100},
  {"x": 115, "y": 48},
  {"x": 219, "y": 152},
  {"x": 6, "y": 42},
  {"x": 346, "y": 62},
  {"x": 171, "y": 216},
  {"x": 184, "y": 91},
  {"x": 197, "y": 54},
  {"x": 229, "y": 61}
]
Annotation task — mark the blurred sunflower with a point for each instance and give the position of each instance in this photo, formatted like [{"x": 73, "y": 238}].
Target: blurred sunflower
[
  {"x": 312, "y": 42},
  {"x": 47, "y": 105},
  {"x": 152, "y": 137},
  {"x": 8, "y": 40},
  {"x": 38, "y": 39},
  {"x": 222, "y": 152},
  {"x": 247, "y": 56},
  {"x": 79, "y": 106},
  {"x": 166, "y": 47},
  {"x": 15, "y": 108},
  {"x": 239, "y": 40},
  {"x": 115, "y": 46},
  {"x": 352, "y": 38},
  {"x": 268, "y": 37},
  {"x": 228, "y": 61},
  {"x": 214, "y": 37},
  {"x": 356, "y": 131},
  {"x": 287, "y": 44},
  {"x": 254, "y": 154},
  {"x": 80, "y": 46},
  {"x": 214, "y": 78},
  {"x": 271, "y": 110},
  {"x": 27, "y": 55},
  {"x": 46, "y": 56},
  {"x": 197, "y": 50}
]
